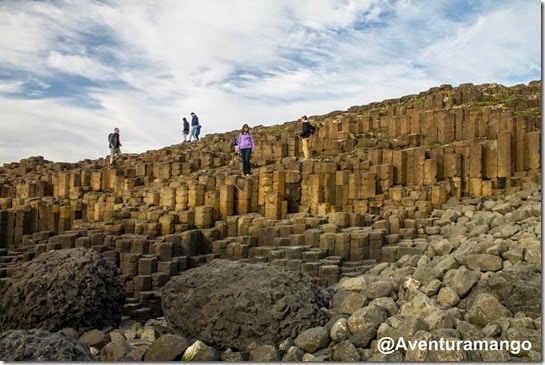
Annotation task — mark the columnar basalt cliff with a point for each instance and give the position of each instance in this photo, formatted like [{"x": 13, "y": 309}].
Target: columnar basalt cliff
[{"x": 377, "y": 173}]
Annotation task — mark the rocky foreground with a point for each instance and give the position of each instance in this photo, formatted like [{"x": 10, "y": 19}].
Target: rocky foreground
[{"x": 479, "y": 279}]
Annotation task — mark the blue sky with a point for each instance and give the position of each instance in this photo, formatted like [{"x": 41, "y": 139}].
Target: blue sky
[{"x": 71, "y": 71}]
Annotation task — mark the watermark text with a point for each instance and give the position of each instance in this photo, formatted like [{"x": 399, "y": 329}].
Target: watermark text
[{"x": 387, "y": 345}]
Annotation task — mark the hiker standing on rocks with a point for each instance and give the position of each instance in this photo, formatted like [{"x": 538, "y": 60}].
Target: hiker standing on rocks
[
  {"x": 115, "y": 145},
  {"x": 307, "y": 130},
  {"x": 194, "y": 124},
  {"x": 245, "y": 146},
  {"x": 186, "y": 129}
]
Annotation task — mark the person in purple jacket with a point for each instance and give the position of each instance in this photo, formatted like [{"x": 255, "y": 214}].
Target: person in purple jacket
[{"x": 245, "y": 146}]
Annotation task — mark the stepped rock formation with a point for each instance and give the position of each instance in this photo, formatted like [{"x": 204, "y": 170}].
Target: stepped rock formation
[
  {"x": 480, "y": 287},
  {"x": 379, "y": 173}
]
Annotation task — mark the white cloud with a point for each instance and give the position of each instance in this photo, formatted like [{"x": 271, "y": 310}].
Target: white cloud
[
  {"x": 499, "y": 45},
  {"x": 52, "y": 129},
  {"x": 80, "y": 65},
  {"x": 235, "y": 62},
  {"x": 11, "y": 87}
]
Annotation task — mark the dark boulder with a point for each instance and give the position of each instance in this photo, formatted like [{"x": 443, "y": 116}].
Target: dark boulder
[
  {"x": 39, "y": 345},
  {"x": 517, "y": 287},
  {"x": 75, "y": 288},
  {"x": 228, "y": 304}
]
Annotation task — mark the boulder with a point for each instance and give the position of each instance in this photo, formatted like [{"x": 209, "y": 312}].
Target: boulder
[
  {"x": 432, "y": 288},
  {"x": 367, "y": 317},
  {"x": 95, "y": 338},
  {"x": 75, "y": 288},
  {"x": 149, "y": 334},
  {"x": 363, "y": 338},
  {"x": 406, "y": 327},
  {"x": 136, "y": 353},
  {"x": 469, "y": 332},
  {"x": 354, "y": 284},
  {"x": 478, "y": 230},
  {"x": 352, "y": 302},
  {"x": 484, "y": 262},
  {"x": 40, "y": 345},
  {"x": 448, "y": 296},
  {"x": 502, "y": 208},
  {"x": 435, "y": 269},
  {"x": 265, "y": 353},
  {"x": 378, "y": 289},
  {"x": 517, "y": 287},
  {"x": 168, "y": 347},
  {"x": 294, "y": 353},
  {"x": 230, "y": 355},
  {"x": 386, "y": 303},
  {"x": 199, "y": 351},
  {"x": 226, "y": 304},
  {"x": 486, "y": 308},
  {"x": 442, "y": 247},
  {"x": 340, "y": 331},
  {"x": 345, "y": 351},
  {"x": 514, "y": 254},
  {"x": 313, "y": 339},
  {"x": 116, "y": 350},
  {"x": 504, "y": 231},
  {"x": 418, "y": 306},
  {"x": 440, "y": 319},
  {"x": 461, "y": 280}
]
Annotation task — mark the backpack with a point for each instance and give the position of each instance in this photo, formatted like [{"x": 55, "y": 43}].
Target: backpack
[
  {"x": 110, "y": 138},
  {"x": 311, "y": 128}
]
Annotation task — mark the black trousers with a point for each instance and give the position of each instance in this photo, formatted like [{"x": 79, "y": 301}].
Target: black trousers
[{"x": 245, "y": 154}]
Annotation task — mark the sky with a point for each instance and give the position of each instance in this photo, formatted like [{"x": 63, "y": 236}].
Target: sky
[{"x": 72, "y": 71}]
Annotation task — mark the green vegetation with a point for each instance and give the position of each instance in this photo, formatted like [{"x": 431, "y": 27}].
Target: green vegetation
[
  {"x": 433, "y": 144},
  {"x": 276, "y": 130},
  {"x": 532, "y": 112},
  {"x": 418, "y": 100},
  {"x": 497, "y": 100}
]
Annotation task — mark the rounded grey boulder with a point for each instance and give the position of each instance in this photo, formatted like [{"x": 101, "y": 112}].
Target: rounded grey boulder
[
  {"x": 230, "y": 304},
  {"x": 75, "y": 288}
]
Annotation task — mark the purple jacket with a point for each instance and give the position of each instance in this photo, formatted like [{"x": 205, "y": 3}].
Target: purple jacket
[{"x": 245, "y": 140}]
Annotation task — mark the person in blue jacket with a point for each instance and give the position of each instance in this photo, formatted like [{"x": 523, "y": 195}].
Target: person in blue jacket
[
  {"x": 198, "y": 131},
  {"x": 194, "y": 124},
  {"x": 245, "y": 146}
]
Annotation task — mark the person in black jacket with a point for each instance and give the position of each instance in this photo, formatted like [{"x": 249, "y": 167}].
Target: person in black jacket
[
  {"x": 186, "y": 129},
  {"x": 115, "y": 145},
  {"x": 307, "y": 130}
]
